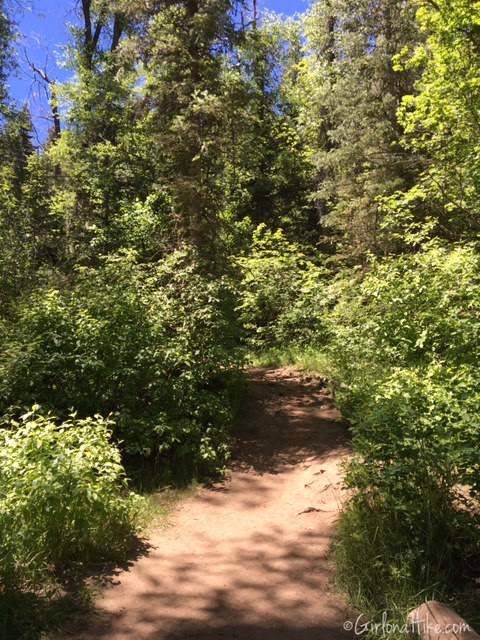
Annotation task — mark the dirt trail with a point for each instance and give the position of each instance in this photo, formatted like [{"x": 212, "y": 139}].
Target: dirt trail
[{"x": 247, "y": 559}]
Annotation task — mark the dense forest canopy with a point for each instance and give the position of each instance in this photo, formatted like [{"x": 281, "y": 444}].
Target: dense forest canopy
[
  {"x": 211, "y": 121},
  {"x": 220, "y": 187}
]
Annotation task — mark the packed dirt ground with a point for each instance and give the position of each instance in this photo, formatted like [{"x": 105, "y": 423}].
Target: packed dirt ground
[{"x": 247, "y": 558}]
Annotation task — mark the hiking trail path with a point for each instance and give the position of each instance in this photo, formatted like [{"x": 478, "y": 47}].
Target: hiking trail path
[{"x": 246, "y": 558}]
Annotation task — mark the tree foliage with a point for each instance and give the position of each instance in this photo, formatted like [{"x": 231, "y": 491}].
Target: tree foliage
[
  {"x": 349, "y": 94},
  {"x": 148, "y": 345},
  {"x": 283, "y": 294},
  {"x": 6, "y": 36},
  {"x": 405, "y": 350},
  {"x": 440, "y": 122}
]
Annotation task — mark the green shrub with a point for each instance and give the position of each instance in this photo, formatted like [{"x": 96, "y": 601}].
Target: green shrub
[
  {"x": 405, "y": 352},
  {"x": 152, "y": 345},
  {"x": 283, "y": 299},
  {"x": 411, "y": 310},
  {"x": 63, "y": 497}
]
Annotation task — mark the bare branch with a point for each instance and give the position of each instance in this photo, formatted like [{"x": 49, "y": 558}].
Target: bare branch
[{"x": 51, "y": 92}]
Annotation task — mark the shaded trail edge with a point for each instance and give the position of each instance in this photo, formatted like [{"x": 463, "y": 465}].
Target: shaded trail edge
[{"x": 247, "y": 558}]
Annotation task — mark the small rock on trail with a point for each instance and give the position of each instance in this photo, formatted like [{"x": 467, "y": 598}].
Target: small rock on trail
[{"x": 238, "y": 561}]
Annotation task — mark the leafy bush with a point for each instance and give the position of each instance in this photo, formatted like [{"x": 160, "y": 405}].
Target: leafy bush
[
  {"x": 152, "y": 345},
  {"x": 63, "y": 497},
  {"x": 282, "y": 294},
  {"x": 405, "y": 351}
]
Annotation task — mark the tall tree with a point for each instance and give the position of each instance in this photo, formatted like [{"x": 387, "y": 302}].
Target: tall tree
[
  {"x": 267, "y": 176},
  {"x": 15, "y": 148},
  {"x": 16, "y": 239},
  {"x": 186, "y": 43},
  {"x": 351, "y": 94},
  {"x": 6, "y": 36},
  {"x": 442, "y": 125},
  {"x": 95, "y": 154},
  {"x": 143, "y": 132}
]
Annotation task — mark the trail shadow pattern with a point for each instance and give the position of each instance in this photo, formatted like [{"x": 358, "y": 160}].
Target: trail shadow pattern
[
  {"x": 246, "y": 559},
  {"x": 284, "y": 420}
]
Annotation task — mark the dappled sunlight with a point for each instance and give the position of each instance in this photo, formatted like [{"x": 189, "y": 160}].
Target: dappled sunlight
[
  {"x": 267, "y": 580},
  {"x": 285, "y": 421},
  {"x": 248, "y": 557}
]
